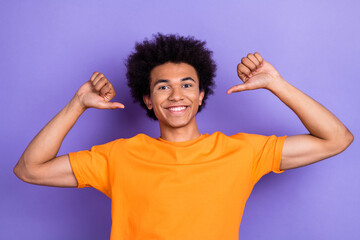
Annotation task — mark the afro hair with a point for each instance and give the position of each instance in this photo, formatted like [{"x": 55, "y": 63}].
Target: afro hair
[{"x": 168, "y": 48}]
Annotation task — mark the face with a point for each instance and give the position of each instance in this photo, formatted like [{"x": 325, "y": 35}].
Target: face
[{"x": 174, "y": 94}]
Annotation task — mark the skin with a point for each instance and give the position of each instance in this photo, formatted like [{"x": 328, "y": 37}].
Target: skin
[
  {"x": 175, "y": 85},
  {"x": 327, "y": 135},
  {"x": 39, "y": 164}
]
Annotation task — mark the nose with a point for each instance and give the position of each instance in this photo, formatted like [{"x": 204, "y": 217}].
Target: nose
[{"x": 176, "y": 94}]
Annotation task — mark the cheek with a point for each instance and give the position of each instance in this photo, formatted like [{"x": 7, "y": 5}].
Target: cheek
[
  {"x": 157, "y": 99},
  {"x": 156, "y": 96},
  {"x": 195, "y": 96}
]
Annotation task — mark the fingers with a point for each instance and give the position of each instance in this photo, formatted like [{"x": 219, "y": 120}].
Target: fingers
[
  {"x": 102, "y": 91},
  {"x": 249, "y": 64},
  {"x": 107, "y": 91},
  {"x": 243, "y": 72},
  {"x": 103, "y": 86},
  {"x": 96, "y": 77},
  {"x": 258, "y": 57}
]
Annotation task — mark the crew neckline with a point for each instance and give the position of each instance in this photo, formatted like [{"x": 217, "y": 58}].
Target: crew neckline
[{"x": 184, "y": 143}]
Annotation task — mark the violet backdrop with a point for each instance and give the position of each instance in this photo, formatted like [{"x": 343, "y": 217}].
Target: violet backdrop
[{"x": 50, "y": 48}]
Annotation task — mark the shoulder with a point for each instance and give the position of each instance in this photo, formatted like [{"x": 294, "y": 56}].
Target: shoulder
[
  {"x": 255, "y": 139},
  {"x": 123, "y": 141},
  {"x": 139, "y": 139},
  {"x": 242, "y": 136},
  {"x": 238, "y": 138}
]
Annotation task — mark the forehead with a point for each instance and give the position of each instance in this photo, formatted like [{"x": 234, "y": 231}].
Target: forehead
[{"x": 172, "y": 71}]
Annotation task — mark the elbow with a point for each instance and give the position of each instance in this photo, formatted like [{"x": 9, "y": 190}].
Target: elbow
[
  {"x": 344, "y": 142},
  {"x": 21, "y": 172},
  {"x": 21, "y": 175},
  {"x": 18, "y": 172},
  {"x": 18, "y": 168},
  {"x": 349, "y": 139}
]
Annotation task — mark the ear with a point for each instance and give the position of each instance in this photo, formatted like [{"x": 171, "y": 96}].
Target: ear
[
  {"x": 147, "y": 101},
  {"x": 201, "y": 96}
]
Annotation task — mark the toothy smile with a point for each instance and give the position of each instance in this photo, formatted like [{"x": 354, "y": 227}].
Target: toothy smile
[{"x": 176, "y": 109}]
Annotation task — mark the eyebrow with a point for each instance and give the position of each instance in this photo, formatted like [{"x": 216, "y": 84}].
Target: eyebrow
[{"x": 166, "y": 81}]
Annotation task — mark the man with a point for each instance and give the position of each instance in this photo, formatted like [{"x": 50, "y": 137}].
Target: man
[{"x": 184, "y": 184}]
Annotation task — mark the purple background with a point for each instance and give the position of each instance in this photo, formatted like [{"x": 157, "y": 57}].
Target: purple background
[{"x": 50, "y": 48}]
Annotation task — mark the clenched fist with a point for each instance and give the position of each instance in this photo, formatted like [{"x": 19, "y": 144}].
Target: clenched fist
[
  {"x": 255, "y": 73},
  {"x": 97, "y": 93}
]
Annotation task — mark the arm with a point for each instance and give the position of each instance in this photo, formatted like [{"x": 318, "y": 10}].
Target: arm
[
  {"x": 39, "y": 164},
  {"x": 328, "y": 136}
]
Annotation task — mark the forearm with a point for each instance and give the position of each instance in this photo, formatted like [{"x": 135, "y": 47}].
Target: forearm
[
  {"x": 47, "y": 142},
  {"x": 319, "y": 121}
]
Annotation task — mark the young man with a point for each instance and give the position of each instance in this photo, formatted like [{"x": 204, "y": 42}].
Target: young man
[{"x": 184, "y": 184}]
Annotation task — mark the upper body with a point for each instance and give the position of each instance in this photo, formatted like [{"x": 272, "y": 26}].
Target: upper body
[
  {"x": 174, "y": 91},
  {"x": 194, "y": 189}
]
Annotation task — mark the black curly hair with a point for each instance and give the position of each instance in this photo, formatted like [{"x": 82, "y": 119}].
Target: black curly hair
[{"x": 163, "y": 49}]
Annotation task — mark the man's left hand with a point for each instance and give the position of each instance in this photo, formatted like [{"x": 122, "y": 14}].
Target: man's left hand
[{"x": 256, "y": 73}]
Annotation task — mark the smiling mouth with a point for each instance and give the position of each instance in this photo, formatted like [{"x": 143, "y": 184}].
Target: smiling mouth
[{"x": 177, "y": 109}]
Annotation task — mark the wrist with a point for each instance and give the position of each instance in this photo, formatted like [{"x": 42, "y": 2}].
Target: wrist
[
  {"x": 276, "y": 84},
  {"x": 76, "y": 105}
]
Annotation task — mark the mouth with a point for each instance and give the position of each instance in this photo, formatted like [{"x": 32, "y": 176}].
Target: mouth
[{"x": 177, "y": 109}]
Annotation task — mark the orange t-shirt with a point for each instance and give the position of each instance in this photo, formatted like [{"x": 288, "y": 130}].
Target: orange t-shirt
[{"x": 161, "y": 190}]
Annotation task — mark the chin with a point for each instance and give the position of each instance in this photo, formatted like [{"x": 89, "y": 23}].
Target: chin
[
  {"x": 171, "y": 121},
  {"x": 176, "y": 123}
]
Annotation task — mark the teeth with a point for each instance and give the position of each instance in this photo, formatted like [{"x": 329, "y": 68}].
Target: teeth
[{"x": 177, "y": 108}]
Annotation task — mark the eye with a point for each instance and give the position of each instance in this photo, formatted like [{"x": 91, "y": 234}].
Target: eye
[
  {"x": 187, "y": 85},
  {"x": 163, "y": 87}
]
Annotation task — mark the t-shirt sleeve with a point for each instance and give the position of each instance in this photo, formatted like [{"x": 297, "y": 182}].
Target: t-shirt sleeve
[
  {"x": 91, "y": 167},
  {"x": 267, "y": 151}
]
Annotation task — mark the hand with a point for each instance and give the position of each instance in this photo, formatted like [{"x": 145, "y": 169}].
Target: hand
[
  {"x": 255, "y": 72},
  {"x": 97, "y": 93}
]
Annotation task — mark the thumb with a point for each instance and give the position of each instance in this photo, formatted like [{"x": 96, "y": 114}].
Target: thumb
[
  {"x": 238, "y": 88},
  {"x": 111, "y": 105}
]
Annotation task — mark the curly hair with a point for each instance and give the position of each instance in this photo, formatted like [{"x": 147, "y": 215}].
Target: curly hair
[{"x": 163, "y": 49}]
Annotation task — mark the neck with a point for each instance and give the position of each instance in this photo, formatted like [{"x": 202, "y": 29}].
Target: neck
[{"x": 180, "y": 134}]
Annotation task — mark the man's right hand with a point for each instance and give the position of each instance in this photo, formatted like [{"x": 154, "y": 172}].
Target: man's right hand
[
  {"x": 39, "y": 164},
  {"x": 97, "y": 93}
]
